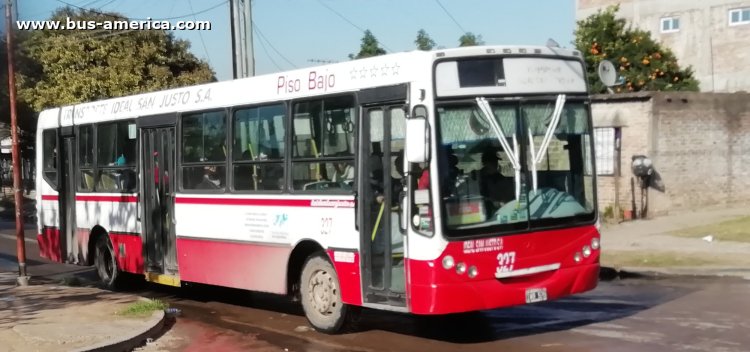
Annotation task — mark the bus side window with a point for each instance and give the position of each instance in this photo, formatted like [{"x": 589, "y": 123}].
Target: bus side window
[
  {"x": 258, "y": 148},
  {"x": 204, "y": 150},
  {"x": 116, "y": 150},
  {"x": 49, "y": 147},
  {"x": 323, "y": 145},
  {"x": 86, "y": 158}
]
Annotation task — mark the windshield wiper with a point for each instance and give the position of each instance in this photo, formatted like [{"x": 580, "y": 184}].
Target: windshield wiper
[
  {"x": 537, "y": 158},
  {"x": 484, "y": 107}
]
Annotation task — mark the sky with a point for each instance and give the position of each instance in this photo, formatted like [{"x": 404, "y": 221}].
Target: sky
[{"x": 291, "y": 33}]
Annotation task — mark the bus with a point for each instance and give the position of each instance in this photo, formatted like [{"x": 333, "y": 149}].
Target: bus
[{"x": 429, "y": 183}]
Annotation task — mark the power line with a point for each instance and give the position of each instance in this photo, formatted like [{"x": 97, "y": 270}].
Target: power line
[
  {"x": 451, "y": 16},
  {"x": 109, "y": 2},
  {"x": 146, "y": 19},
  {"x": 200, "y": 34},
  {"x": 90, "y": 3},
  {"x": 171, "y": 8},
  {"x": 260, "y": 33},
  {"x": 322, "y": 61},
  {"x": 351, "y": 23},
  {"x": 342, "y": 16},
  {"x": 269, "y": 55}
]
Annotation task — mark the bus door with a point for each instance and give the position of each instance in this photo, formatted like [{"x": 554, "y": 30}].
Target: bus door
[
  {"x": 157, "y": 199},
  {"x": 67, "y": 197},
  {"x": 380, "y": 188}
]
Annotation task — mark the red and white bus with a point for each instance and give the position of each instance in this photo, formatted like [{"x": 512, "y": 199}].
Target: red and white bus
[{"x": 424, "y": 182}]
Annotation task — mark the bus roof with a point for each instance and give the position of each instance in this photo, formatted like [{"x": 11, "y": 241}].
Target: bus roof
[{"x": 384, "y": 70}]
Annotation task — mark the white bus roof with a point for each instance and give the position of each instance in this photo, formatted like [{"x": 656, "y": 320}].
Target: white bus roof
[{"x": 385, "y": 70}]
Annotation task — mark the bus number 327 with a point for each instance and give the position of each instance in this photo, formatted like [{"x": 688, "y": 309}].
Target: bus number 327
[{"x": 505, "y": 261}]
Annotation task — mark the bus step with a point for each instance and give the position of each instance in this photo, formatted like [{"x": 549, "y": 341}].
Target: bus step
[{"x": 163, "y": 279}]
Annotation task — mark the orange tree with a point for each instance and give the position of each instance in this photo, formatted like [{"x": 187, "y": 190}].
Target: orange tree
[{"x": 644, "y": 64}]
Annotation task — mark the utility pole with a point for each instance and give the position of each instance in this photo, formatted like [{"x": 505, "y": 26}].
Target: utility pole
[
  {"x": 243, "y": 60},
  {"x": 23, "y": 279}
]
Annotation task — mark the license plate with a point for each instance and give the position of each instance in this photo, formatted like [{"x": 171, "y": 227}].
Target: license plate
[{"x": 536, "y": 295}]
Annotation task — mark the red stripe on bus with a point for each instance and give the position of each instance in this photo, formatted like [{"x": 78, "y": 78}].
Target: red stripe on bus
[
  {"x": 119, "y": 199},
  {"x": 128, "y": 251},
  {"x": 321, "y": 203},
  {"x": 49, "y": 243},
  {"x": 248, "y": 266},
  {"x": 50, "y": 197}
]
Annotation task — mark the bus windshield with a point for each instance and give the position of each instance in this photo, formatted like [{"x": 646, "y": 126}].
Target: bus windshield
[{"x": 514, "y": 165}]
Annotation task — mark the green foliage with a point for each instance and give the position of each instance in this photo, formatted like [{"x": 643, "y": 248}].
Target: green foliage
[
  {"x": 423, "y": 41},
  {"x": 370, "y": 47},
  {"x": 68, "y": 67},
  {"x": 644, "y": 63},
  {"x": 25, "y": 115},
  {"x": 470, "y": 39}
]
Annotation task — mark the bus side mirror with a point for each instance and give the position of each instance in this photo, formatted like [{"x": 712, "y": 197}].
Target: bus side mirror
[{"x": 418, "y": 136}]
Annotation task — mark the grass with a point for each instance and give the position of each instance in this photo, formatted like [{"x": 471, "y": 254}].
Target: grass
[
  {"x": 143, "y": 308},
  {"x": 657, "y": 259},
  {"x": 737, "y": 230}
]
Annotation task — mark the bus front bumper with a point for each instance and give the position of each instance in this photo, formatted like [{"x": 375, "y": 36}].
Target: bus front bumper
[{"x": 474, "y": 295}]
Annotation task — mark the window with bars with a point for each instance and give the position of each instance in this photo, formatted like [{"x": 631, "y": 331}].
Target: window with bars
[{"x": 605, "y": 145}]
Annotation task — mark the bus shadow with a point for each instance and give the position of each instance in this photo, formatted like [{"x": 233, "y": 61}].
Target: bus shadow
[{"x": 610, "y": 301}]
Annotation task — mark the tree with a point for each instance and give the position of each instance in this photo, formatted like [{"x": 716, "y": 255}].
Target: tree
[
  {"x": 68, "y": 67},
  {"x": 644, "y": 64},
  {"x": 370, "y": 47},
  {"x": 470, "y": 39},
  {"x": 25, "y": 115},
  {"x": 423, "y": 41}
]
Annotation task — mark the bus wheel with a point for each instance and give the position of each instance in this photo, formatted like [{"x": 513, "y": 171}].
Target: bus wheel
[
  {"x": 104, "y": 261},
  {"x": 321, "y": 296}
]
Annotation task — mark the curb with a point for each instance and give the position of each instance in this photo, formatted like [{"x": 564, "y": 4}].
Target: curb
[
  {"x": 612, "y": 273},
  {"x": 607, "y": 273},
  {"x": 121, "y": 344}
]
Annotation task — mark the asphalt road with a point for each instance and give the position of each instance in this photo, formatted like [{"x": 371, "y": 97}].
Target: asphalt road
[{"x": 669, "y": 314}]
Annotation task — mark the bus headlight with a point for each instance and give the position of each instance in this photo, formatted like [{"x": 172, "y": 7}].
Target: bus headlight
[
  {"x": 586, "y": 251},
  {"x": 577, "y": 257},
  {"x": 448, "y": 262},
  {"x": 595, "y": 243},
  {"x": 460, "y": 268}
]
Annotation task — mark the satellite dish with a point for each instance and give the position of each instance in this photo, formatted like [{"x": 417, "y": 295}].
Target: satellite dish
[
  {"x": 551, "y": 43},
  {"x": 607, "y": 73}
]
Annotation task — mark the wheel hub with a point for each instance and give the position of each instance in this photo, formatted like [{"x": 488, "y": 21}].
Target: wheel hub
[{"x": 322, "y": 292}]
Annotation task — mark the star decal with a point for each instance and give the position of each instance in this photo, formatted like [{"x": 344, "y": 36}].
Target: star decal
[
  {"x": 395, "y": 69},
  {"x": 384, "y": 70}
]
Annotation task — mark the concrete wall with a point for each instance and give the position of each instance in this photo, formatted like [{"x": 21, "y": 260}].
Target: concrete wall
[
  {"x": 717, "y": 51},
  {"x": 699, "y": 143}
]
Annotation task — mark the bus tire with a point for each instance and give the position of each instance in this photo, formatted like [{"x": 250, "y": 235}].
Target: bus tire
[
  {"x": 105, "y": 263},
  {"x": 321, "y": 296}
]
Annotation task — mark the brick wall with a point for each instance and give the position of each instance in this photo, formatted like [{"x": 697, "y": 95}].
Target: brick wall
[
  {"x": 699, "y": 143},
  {"x": 631, "y": 113}
]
